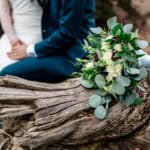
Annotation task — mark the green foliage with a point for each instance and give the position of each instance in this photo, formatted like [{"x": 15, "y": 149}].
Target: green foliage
[
  {"x": 142, "y": 44},
  {"x": 100, "y": 112},
  {"x": 124, "y": 81},
  {"x": 112, "y": 22},
  {"x": 100, "y": 81},
  {"x": 94, "y": 101},
  {"x": 111, "y": 66},
  {"x": 142, "y": 74},
  {"x": 87, "y": 83},
  {"x": 128, "y": 28},
  {"x": 138, "y": 101},
  {"x": 130, "y": 100},
  {"x": 97, "y": 30},
  {"x": 117, "y": 88}
]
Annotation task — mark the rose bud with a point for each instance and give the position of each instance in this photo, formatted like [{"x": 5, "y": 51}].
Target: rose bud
[
  {"x": 113, "y": 54},
  {"x": 95, "y": 57}
]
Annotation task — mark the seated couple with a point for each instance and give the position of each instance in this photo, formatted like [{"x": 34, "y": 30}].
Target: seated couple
[{"x": 43, "y": 38}]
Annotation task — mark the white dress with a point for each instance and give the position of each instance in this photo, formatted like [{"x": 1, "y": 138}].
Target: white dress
[{"x": 27, "y": 25}]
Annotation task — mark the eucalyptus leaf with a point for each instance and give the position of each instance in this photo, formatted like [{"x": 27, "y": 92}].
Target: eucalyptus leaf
[
  {"x": 143, "y": 74},
  {"x": 107, "y": 106},
  {"x": 100, "y": 81},
  {"x": 101, "y": 92},
  {"x": 130, "y": 100},
  {"x": 140, "y": 52},
  {"x": 100, "y": 112},
  {"x": 111, "y": 22},
  {"x": 128, "y": 28},
  {"x": 117, "y": 88},
  {"x": 87, "y": 83},
  {"x": 133, "y": 71},
  {"x": 125, "y": 81},
  {"x": 142, "y": 44},
  {"x": 85, "y": 44},
  {"x": 108, "y": 99},
  {"x": 105, "y": 100},
  {"x": 94, "y": 101},
  {"x": 135, "y": 34},
  {"x": 97, "y": 30},
  {"x": 130, "y": 58}
]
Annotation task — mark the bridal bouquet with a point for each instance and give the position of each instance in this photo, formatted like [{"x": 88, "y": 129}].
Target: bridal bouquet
[{"x": 111, "y": 65}]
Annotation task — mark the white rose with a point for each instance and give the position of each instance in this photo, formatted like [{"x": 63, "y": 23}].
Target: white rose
[
  {"x": 118, "y": 69},
  {"x": 113, "y": 71},
  {"x": 107, "y": 56},
  {"x": 89, "y": 65},
  {"x": 118, "y": 47},
  {"x": 110, "y": 68},
  {"x": 105, "y": 45},
  {"x": 110, "y": 76},
  {"x": 109, "y": 37},
  {"x": 110, "y": 62}
]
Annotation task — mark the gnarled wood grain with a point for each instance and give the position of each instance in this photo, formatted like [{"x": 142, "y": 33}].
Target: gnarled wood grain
[{"x": 38, "y": 115}]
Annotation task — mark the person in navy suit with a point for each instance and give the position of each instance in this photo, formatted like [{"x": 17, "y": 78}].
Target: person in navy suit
[{"x": 65, "y": 24}]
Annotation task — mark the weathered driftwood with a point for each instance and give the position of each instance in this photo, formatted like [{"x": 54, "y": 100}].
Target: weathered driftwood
[{"x": 39, "y": 115}]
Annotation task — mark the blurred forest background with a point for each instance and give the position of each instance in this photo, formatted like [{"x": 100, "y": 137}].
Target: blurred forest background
[{"x": 127, "y": 11}]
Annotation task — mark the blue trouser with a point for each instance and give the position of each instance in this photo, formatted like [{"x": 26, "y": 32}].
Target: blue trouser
[{"x": 48, "y": 69}]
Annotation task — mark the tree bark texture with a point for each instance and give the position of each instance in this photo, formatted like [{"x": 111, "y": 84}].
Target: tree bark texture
[{"x": 44, "y": 116}]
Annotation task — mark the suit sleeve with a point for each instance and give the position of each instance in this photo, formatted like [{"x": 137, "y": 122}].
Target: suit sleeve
[{"x": 69, "y": 28}]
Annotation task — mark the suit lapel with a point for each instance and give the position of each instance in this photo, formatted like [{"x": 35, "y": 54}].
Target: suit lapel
[{"x": 43, "y": 2}]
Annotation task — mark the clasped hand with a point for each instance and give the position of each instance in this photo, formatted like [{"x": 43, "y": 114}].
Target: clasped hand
[{"x": 18, "y": 50}]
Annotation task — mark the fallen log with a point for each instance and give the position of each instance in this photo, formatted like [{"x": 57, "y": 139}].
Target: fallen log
[{"x": 53, "y": 116}]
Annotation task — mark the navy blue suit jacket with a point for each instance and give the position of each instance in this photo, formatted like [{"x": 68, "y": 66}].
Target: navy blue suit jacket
[{"x": 65, "y": 23}]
